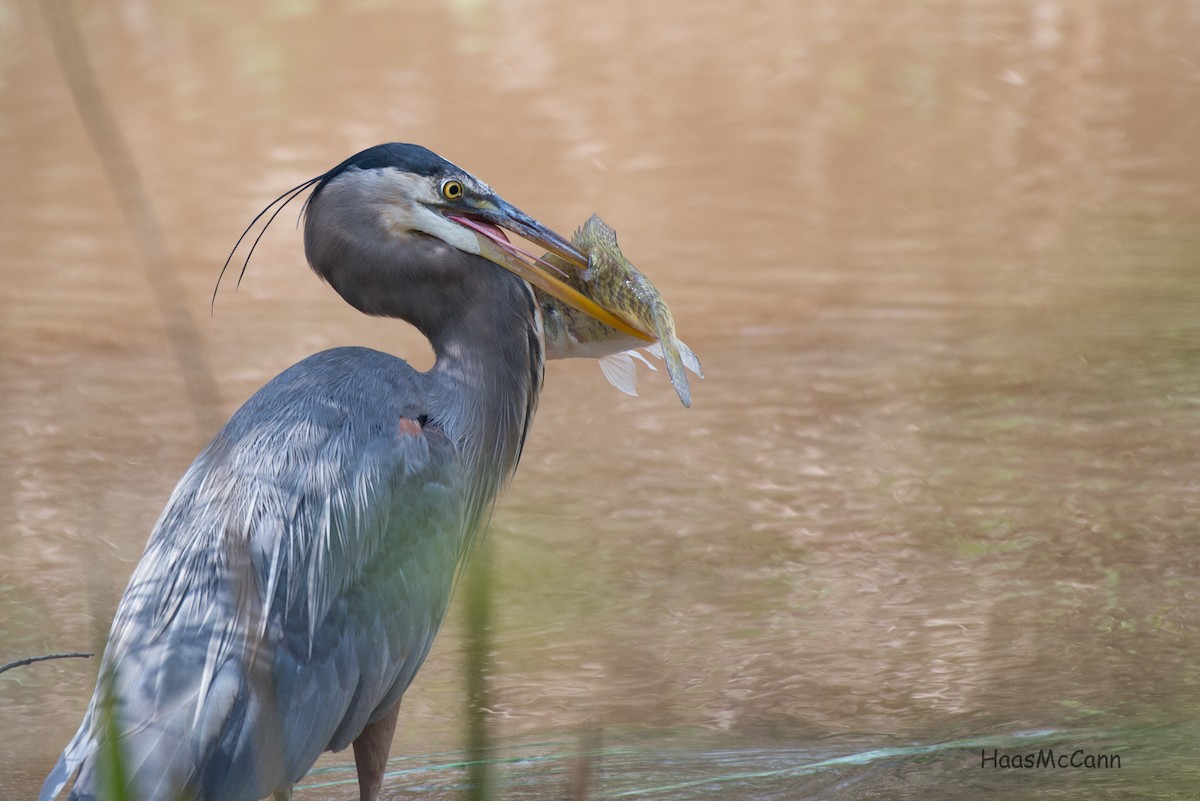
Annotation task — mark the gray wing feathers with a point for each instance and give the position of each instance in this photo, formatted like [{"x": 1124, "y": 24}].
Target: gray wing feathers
[{"x": 272, "y": 613}]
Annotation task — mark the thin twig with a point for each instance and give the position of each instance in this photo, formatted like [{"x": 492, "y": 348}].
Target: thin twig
[{"x": 29, "y": 660}]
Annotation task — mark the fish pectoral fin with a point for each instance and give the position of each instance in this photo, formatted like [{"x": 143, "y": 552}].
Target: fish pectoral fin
[
  {"x": 642, "y": 359},
  {"x": 620, "y": 371}
]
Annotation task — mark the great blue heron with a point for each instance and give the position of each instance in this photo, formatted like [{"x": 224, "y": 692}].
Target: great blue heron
[{"x": 297, "y": 577}]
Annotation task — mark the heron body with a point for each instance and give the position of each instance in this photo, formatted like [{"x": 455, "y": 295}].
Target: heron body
[{"x": 303, "y": 565}]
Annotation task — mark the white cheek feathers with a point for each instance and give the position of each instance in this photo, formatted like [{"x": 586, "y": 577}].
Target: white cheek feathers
[
  {"x": 456, "y": 236},
  {"x": 403, "y": 211}
]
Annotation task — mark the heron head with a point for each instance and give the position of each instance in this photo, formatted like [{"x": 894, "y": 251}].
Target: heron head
[{"x": 401, "y": 205}]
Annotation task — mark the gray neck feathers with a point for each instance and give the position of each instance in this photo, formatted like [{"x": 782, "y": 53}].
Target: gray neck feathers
[{"x": 482, "y": 321}]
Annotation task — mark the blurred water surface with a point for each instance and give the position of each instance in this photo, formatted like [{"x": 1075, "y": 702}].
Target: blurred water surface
[{"x": 939, "y": 260}]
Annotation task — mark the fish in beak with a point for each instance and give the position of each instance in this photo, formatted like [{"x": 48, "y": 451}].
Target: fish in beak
[{"x": 487, "y": 216}]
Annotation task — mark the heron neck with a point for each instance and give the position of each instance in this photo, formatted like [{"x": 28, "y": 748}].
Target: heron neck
[{"x": 488, "y": 375}]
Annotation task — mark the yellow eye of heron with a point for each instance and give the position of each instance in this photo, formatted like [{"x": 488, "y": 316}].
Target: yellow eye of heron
[{"x": 452, "y": 190}]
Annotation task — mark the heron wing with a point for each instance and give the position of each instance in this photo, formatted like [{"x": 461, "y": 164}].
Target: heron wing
[{"x": 291, "y": 588}]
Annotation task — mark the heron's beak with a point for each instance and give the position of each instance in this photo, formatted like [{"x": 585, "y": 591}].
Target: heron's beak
[{"x": 489, "y": 215}]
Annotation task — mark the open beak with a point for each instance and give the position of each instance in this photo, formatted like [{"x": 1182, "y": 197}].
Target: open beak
[{"x": 488, "y": 215}]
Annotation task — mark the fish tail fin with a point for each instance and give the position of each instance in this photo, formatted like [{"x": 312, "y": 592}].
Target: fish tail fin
[
  {"x": 685, "y": 354},
  {"x": 688, "y": 358},
  {"x": 669, "y": 347}
]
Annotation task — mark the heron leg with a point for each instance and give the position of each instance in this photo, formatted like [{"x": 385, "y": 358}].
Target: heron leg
[
  {"x": 371, "y": 749},
  {"x": 282, "y": 795}
]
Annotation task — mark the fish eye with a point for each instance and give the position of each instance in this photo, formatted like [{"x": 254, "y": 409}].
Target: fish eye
[{"x": 452, "y": 190}]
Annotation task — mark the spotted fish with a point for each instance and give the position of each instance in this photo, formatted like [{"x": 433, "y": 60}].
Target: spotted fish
[{"x": 614, "y": 282}]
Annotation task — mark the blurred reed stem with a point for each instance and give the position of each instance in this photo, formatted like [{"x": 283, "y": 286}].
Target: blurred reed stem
[
  {"x": 116, "y": 158},
  {"x": 477, "y": 667}
]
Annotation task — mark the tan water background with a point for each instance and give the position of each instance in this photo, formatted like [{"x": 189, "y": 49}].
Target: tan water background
[{"x": 939, "y": 258}]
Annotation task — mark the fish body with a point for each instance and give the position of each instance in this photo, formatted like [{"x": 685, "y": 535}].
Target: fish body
[{"x": 613, "y": 280}]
